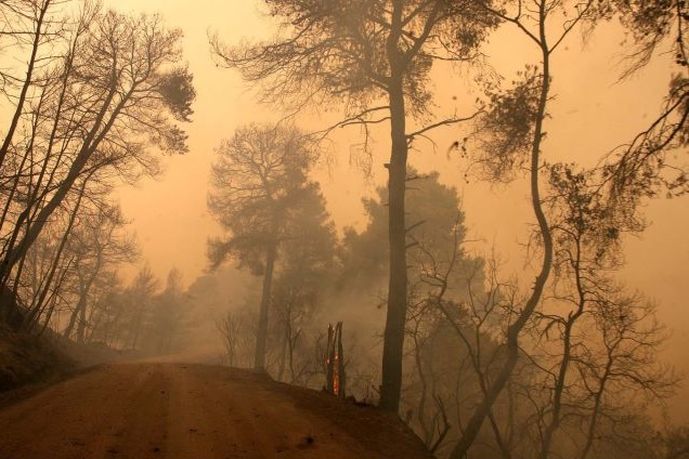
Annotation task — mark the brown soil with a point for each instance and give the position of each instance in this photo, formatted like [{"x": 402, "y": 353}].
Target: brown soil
[{"x": 156, "y": 410}]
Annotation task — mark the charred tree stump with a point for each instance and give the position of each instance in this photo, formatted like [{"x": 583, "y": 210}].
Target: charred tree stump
[{"x": 334, "y": 362}]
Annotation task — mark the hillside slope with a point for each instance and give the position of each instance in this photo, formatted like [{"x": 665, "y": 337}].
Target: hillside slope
[{"x": 26, "y": 358}]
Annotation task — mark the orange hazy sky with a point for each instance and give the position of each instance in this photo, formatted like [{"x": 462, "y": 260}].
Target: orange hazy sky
[{"x": 591, "y": 114}]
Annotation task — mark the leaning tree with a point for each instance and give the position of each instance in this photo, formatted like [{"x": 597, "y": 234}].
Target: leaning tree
[{"x": 113, "y": 93}]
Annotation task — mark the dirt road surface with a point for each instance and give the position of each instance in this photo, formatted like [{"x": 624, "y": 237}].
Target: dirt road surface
[{"x": 140, "y": 411}]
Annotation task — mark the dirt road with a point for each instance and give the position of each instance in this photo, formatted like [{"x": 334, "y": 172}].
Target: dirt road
[{"x": 180, "y": 411}]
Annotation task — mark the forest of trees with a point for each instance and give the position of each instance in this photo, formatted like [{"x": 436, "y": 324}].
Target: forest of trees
[
  {"x": 97, "y": 97},
  {"x": 560, "y": 361},
  {"x": 481, "y": 365}
]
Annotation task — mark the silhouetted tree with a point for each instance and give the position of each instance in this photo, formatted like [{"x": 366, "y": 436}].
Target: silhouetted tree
[
  {"x": 259, "y": 178},
  {"x": 434, "y": 211}
]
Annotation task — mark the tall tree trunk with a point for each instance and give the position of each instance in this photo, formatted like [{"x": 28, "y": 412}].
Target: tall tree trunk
[
  {"x": 397, "y": 289},
  {"x": 262, "y": 330}
]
